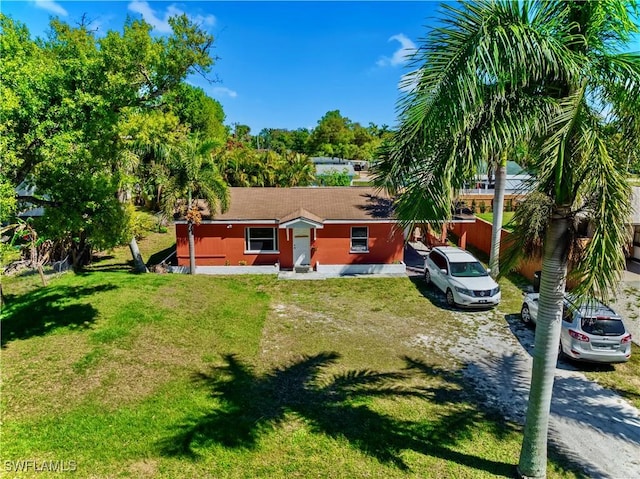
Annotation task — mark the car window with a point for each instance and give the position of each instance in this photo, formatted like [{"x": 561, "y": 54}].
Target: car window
[
  {"x": 471, "y": 269},
  {"x": 438, "y": 260},
  {"x": 567, "y": 315},
  {"x": 602, "y": 326}
]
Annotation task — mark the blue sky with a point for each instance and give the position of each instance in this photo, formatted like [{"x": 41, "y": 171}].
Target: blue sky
[{"x": 281, "y": 64}]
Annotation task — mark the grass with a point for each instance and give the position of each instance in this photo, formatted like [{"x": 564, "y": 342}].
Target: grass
[
  {"x": 196, "y": 376},
  {"x": 506, "y": 218}
]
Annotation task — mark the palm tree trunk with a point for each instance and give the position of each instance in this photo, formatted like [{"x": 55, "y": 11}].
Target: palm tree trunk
[
  {"x": 192, "y": 243},
  {"x": 138, "y": 262},
  {"x": 533, "y": 456},
  {"x": 498, "y": 207},
  {"x": 192, "y": 249}
]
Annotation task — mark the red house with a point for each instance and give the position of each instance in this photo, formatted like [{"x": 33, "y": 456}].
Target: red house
[{"x": 334, "y": 231}]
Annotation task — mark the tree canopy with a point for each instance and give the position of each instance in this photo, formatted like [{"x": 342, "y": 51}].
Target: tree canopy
[
  {"x": 72, "y": 106},
  {"x": 551, "y": 75}
]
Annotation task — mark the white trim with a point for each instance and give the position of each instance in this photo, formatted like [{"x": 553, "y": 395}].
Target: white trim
[
  {"x": 229, "y": 270},
  {"x": 294, "y": 223},
  {"x": 274, "y": 238},
  {"x": 351, "y": 238},
  {"x": 358, "y": 221},
  {"x": 395, "y": 269},
  {"x": 277, "y": 222},
  {"x": 232, "y": 222}
]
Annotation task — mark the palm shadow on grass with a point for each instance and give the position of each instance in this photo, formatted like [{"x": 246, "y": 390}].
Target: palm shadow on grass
[
  {"x": 41, "y": 311},
  {"x": 337, "y": 406}
]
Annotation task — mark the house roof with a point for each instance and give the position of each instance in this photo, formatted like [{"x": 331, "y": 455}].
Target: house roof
[{"x": 317, "y": 204}]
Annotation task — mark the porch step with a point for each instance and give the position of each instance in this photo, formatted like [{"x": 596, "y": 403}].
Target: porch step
[{"x": 302, "y": 269}]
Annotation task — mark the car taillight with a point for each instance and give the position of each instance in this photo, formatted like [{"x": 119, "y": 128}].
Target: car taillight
[
  {"x": 626, "y": 339},
  {"x": 578, "y": 336}
]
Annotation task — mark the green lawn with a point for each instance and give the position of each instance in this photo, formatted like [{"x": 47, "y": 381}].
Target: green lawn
[
  {"x": 198, "y": 376},
  {"x": 506, "y": 218}
]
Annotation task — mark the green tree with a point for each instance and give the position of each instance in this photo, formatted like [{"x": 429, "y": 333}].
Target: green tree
[
  {"x": 201, "y": 113},
  {"x": 242, "y": 133},
  {"x": 64, "y": 99},
  {"x": 300, "y": 140},
  {"x": 498, "y": 74},
  {"x": 296, "y": 170},
  {"x": 331, "y": 135},
  {"x": 194, "y": 176},
  {"x": 334, "y": 178}
]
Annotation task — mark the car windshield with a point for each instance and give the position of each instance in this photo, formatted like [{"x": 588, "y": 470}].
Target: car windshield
[
  {"x": 470, "y": 269},
  {"x": 603, "y": 326}
]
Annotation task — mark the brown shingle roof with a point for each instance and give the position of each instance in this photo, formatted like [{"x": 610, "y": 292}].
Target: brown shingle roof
[{"x": 330, "y": 203}]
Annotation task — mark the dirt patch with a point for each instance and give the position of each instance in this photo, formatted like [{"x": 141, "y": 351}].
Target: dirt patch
[
  {"x": 144, "y": 468},
  {"x": 590, "y": 426}
]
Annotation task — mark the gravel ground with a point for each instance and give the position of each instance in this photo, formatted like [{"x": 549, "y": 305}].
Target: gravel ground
[
  {"x": 627, "y": 302},
  {"x": 593, "y": 427}
]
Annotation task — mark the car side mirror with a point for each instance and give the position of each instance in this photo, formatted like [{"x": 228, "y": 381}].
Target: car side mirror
[
  {"x": 488, "y": 270},
  {"x": 443, "y": 271}
]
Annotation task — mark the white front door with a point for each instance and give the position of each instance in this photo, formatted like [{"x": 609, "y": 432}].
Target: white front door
[{"x": 301, "y": 246}]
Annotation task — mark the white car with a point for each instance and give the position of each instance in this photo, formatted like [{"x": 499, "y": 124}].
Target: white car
[
  {"x": 591, "y": 331},
  {"x": 461, "y": 277}
]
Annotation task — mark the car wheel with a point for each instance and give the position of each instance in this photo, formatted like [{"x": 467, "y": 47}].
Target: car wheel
[
  {"x": 451, "y": 301},
  {"x": 525, "y": 314},
  {"x": 427, "y": 277}
]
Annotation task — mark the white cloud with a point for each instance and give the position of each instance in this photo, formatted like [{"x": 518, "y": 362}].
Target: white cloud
[
  {"x": 224, "y": 91},
  {"x": 409, "y": 81},
  {"x": 52, "y": 7},
  {"x": 161, "y": 23},
  {"x": 401, "y": 55}
]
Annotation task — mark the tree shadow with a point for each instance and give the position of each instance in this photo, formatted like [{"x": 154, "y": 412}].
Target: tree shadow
[
  {"x": 41, "y": 311},
  {"x": 337, "y": 406},
  {"x": 581, "y": 412},
  {"x": 159, "y": 256}
]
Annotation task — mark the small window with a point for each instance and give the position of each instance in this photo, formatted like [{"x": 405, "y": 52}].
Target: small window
[
  {"x": 261, "y": 240},
  {"x": 438, "y": 260},
  {"x": 359, "y": 239}
]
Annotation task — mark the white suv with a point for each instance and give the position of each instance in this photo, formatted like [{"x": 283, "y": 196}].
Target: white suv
[
  {"x": 461, "y": 277},
  {"x": 591, "y": 331}
]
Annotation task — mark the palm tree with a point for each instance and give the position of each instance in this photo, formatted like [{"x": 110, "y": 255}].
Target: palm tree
[
  {"x": 498, "y": 210},
  {"x": 297, "y": 170},
  {"x": 550, "y": 75},
  {"x": 194, "y": 175}
]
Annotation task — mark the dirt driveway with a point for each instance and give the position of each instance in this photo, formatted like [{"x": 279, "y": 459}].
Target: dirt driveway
[
  {"x": 627, "y": 301},
  {"x": 594, "y": 427}
]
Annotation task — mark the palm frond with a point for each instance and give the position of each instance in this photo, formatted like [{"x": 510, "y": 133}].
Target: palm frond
[
  {"x": 607, "y": 205},
  {"x": 530, "y": 223}
]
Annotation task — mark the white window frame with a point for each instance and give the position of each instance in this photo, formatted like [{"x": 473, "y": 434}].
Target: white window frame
[
  {"x": 359, "y": 238},
  {"x": 248, "y": 238}
]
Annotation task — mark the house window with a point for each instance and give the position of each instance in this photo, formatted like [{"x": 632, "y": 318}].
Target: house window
[
  {"x": 359, "y": 239},
  {"x": 261, "y": 240}
]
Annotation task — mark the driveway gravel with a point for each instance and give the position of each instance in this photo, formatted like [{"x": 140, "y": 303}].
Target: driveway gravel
[{"x": 593, "y": 427}]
